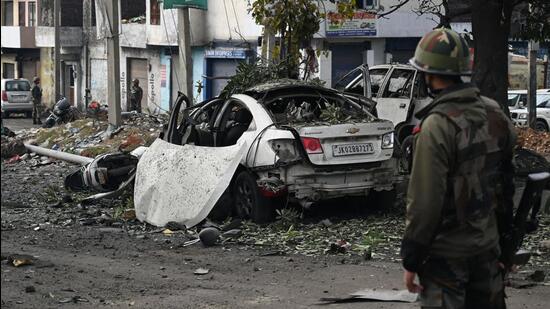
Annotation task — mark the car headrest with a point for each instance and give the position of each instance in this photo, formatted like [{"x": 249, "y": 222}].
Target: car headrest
[{"x": 242, "y": 116}]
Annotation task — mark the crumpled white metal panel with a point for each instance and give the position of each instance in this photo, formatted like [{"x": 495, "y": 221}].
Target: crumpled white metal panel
[{"x": 182, "y": 183}]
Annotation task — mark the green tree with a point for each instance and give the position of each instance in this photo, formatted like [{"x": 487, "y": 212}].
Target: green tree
[{"x": 295, "y": 22}]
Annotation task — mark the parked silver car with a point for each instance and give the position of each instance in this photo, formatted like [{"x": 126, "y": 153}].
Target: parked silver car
[{"x": 16, "y": 97}]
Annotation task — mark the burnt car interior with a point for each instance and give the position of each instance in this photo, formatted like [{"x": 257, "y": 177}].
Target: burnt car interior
[
  {"x": 214, "y": 124},
  {"x": 234, "y": 122},
  {"x": 313, "y": 106}
]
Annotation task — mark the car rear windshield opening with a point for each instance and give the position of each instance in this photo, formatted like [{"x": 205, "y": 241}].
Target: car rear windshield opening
[
  {"x": 311, "y": 108},
  {"x": 18, "y": 85}
]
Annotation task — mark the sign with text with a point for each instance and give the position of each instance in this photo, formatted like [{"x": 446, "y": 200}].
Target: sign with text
[
  {"x": 177, "y": 4},
  {"x": 361, "y": 24},
  {"x": 226, "y": 53}
]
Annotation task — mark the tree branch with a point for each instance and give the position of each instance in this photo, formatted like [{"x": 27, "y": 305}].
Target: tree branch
[{"x": 393, "y": 8}]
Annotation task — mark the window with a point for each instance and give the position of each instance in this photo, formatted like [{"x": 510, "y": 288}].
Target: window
[
  {"x": 376, "y": 80},
  {"x": 71, "y": 13},
  {"x": 155, "y": 12},
  {"x": 366, "y": 4},
  {"x": 399, "y": 85},
  {"x": 347, "y": 79},
  {"x": 18, "y": 85},
  {"x": 22, "y": 14},
  {"x": 8, "y": 70},
  {"x": 31, "y": 14},
  {"x": 7, "y": 13},
  {"x": 132, "y": 11}
]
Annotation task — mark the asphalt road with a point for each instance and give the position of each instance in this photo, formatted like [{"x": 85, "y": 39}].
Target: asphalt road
[
  {"x": 77, "y": 265},
  {"x": 18, "y": 122}
]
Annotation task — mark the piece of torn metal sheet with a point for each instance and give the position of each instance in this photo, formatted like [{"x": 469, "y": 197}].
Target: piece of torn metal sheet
[
  {"x": 376, "y": 295},
  {"x": 182, "y": 183}
]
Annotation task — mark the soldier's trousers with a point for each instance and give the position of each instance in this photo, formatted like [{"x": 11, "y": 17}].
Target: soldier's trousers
[
  {"x": 135, "y": 105},
  {"x": 36, "y": 113},
  {"x": 469, "y": 283}
]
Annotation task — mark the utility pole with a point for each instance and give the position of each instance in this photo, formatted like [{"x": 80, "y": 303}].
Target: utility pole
[
  {"x": 113, "y": 64},
  {"x": 185, "y": 60},
  {"x": 532, "y": 88},
  {"x": 57, "y": 50}
]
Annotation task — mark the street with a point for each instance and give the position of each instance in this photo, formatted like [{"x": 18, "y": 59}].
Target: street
[
  {"x": 18, "y": 122},
  {"x": 85, "y": 256}
]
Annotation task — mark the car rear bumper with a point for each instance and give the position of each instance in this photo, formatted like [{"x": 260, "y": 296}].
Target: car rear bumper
[
  {"x": 311, "y": 184},
  {"x": 520, "y": 122},
  {"x": 16, "y": 107}
]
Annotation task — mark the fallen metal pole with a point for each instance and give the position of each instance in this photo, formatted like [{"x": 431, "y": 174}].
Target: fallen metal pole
[{"x": 64, "y": 156}]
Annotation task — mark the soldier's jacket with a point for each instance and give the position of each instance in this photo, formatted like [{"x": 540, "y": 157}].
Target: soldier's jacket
[
  {"x": 461, "y": 157},
  {"x": 36, "y": 93}
]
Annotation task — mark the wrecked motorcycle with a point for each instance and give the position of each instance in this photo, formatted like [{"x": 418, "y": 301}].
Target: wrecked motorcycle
[
  {"x": 109, "y": 174},
  {"x": 62, "y": 113}
]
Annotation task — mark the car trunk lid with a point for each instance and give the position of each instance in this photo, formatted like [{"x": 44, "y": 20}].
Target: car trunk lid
[{"x": 348, "y": 143}]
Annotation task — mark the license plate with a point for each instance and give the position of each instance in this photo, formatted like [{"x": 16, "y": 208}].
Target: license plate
[{"x": 352, "y": 149}]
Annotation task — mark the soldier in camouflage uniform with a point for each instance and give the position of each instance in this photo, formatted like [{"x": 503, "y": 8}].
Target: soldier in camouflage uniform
[
  {"x": 460, "y": 180},
  {"x": 36, "y": 93}
]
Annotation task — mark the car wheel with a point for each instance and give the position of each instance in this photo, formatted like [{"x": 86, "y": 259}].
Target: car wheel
[
  {"x": 28, "y": 114},
  {"x": 249, "y": 201},
  {"x": 6, "y": 115},
  {"x": 540, "y": 125},
  {"x": 405, "y": 160},
  {"x": 223, "y": 208}
]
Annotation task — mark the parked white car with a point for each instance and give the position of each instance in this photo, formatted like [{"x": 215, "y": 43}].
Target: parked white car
[
  {"x": 304, "y": 143},
  {"x": 399, "y": 92},
  {"x": 520, "y": 114},
  {"x": 16, "y": 97}
]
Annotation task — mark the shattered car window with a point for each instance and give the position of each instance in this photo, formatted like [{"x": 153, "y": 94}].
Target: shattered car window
[{"x": 308, "y": 108}]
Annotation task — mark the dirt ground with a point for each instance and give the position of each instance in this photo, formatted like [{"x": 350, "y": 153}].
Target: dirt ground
[{"x": 83, "y": 257}]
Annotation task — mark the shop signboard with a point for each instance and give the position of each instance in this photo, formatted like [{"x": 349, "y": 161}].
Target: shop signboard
[
  {"x": 361, "y": 24},
  {"x": 177, "y": 4},
  {"x": 226, "y": 53}
]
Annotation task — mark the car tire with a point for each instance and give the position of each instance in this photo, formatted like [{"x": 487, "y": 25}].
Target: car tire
[
  {"x": 223, "y": 208},
  {"x": 540, "y": 125},
  {"x": 28, "y": 114},
  {"x": 6, "y": 115},
  {"x": 406, "y": 154},
  {"x": 249, "y": 201}
]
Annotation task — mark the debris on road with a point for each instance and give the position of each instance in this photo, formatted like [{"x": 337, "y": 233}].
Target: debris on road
[
  {"x": 201, "y": 271},
  {"x": 209, "y": 236},
  {"x": 74, "y": 299},
  {"x": 375, "y": 295},
  {"x": 534, "y": 140},
  {"x": 175, "y": 226},
  {"x": 13, "y": 159},
  {"x": 171, "y": 186},
  {"x": 537, "y": 276},
  {"x": 339, "y": 246},
  {"x": 18, "y": 260}
]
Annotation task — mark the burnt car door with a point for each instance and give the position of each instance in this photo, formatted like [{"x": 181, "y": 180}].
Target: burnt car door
[{"x": 194, "y": 125}]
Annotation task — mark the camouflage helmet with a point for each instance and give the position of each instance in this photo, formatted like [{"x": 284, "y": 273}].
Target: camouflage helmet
[{"x": 442, "y": 51}]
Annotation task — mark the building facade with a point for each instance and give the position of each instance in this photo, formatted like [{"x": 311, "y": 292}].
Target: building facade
[{"x": 221, "y": 37}]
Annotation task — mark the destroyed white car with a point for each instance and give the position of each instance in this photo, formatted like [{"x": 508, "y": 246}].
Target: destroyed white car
[{"x": 303, "y": 143}]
